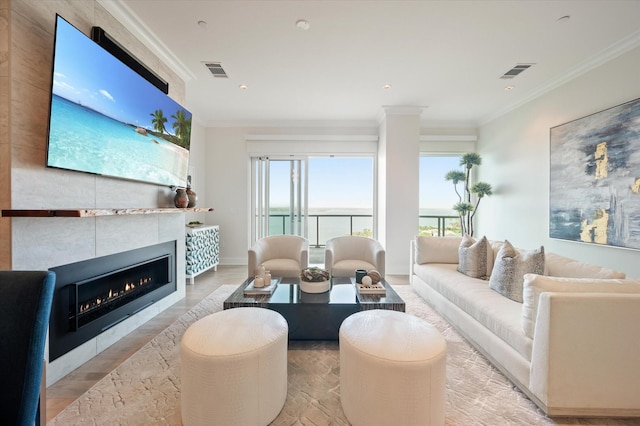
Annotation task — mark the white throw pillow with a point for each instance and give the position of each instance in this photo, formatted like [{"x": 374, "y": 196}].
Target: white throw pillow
[
  {"x": 509, "y": 268},
  {"x": 535, "y": 285},
  {"x": 472, "y": 256},
  {"x": 437, "y": 249}
]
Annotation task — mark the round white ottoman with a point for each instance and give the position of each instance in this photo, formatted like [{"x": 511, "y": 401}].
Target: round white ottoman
[
  {"x": 392, "y": 370},
  {"x": 234, "y": 368}
]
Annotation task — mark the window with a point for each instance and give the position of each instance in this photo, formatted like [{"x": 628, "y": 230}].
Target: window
[
  {"x": 340, "y": 197},
  {"x": 437, "y": 196},
  {"x": 316, "y": 197}
]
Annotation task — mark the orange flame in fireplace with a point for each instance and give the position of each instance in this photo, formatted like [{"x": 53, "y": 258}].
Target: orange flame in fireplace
[{"x": 113, "y": 294}]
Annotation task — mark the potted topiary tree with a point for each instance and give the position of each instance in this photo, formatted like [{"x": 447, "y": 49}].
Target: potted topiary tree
[{"x": 464, "y": 207}]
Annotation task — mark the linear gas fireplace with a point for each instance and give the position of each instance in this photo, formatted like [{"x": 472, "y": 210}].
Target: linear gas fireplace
[{"x": 94, "y": 295}]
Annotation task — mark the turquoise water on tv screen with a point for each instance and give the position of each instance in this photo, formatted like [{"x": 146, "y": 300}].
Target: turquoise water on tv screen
[{"x": 86, "y": 140}]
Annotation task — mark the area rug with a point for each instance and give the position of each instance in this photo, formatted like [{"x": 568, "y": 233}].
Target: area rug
[{"x": 145, "y": 389}]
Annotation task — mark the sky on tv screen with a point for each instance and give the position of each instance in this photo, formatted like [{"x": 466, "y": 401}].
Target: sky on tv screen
[{"x": 105, "y": 117}]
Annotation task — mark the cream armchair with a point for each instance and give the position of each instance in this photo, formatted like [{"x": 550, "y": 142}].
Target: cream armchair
[
  {"x": 283, "y": 255},
  {"x": 343, "y": 255}
]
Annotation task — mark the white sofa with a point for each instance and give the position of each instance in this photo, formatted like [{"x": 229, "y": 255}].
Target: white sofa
[{"x": 572, "y": 347}]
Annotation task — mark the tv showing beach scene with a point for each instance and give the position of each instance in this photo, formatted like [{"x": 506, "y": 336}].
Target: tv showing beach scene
[{"x": 106, "y": 119}]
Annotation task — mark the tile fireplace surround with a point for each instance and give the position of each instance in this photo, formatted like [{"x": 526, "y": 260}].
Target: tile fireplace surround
[
  {"x": 41, "y": 243},
  {"x": 94, "y": 295}
]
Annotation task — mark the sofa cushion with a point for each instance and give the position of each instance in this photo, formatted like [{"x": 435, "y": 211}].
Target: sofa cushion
[
  {"x": 509, "y": 267},
  {"x": 560, "y": 266},
  {"x": 437, "y": 249},
  {"x": 347, "y": 268},
  {"x": 500, "y": 315},
  {"x": 535, "y": 285},
  {"x": 472, "y": 256},
  {"x": 496, "y": 245},
  {"x": 282, "y": 267}
]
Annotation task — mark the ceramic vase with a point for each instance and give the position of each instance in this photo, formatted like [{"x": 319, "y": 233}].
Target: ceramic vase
[
  {"x": 193, "y": 198},
  {"x": 181, "y": 200}
]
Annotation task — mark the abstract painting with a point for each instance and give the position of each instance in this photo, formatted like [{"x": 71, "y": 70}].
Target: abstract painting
[{"x": 594, "y": 194}]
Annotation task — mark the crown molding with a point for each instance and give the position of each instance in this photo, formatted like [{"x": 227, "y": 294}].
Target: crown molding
[
  {"x": 620, "y": 47},
  {"x": 133, "y": 24},
  {"x": 372, "y": 124},
  {"x": 313, "y": 138},
  {"x": 448, "y": 138},
  {"x": 448, "y": 124},
  {"x": 387, "y": 110},
  {"x": 402, "y": 109}
]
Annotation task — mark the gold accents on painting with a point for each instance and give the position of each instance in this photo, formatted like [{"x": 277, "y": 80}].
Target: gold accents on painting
[
  {"x": 635, "y": 188},
  {"x": 596, "y": 231},
  {"x": 602, "y": 161}
]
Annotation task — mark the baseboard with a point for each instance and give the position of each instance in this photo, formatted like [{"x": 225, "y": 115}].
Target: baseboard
[
  {"x": 591, "y": 412},
  {"x": 233, "y": 261}
]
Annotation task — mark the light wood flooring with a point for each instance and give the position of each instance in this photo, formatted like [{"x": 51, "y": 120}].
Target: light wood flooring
[{"x": 72, "y": 386}]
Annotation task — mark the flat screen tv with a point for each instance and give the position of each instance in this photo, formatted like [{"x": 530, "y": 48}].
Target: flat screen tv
[{"x": 108, "y": 120}]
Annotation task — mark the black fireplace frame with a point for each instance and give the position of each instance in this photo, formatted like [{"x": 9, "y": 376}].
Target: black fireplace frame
[{"x": 62, "y": 336}]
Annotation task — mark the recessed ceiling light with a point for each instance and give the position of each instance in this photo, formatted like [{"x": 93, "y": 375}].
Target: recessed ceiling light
[
  {"x": 302, "y": 24},
  {"x": 509, "y": 87},
  {"x": 243, "y": 87},
  {"x": 386, "y": 87},
  {"x": 563, "y": 19}
]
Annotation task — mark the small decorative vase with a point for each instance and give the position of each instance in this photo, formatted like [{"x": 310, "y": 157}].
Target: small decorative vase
[
  {"x": 261, "y": 271},
  {"x": 193, "y": 198},
  {"x": 258, "y": 282},
  {"x": 360, "y": 273},
  {"x": 181, "y": 200}
]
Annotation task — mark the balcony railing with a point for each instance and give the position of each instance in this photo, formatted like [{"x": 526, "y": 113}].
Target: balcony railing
[
  {"x": 442, "y": 223},
  {"x": 325, "y": 226}
]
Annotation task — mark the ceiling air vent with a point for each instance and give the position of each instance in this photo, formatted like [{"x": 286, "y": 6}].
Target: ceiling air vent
[
  {"x": 216, "y": 69},
  {"x": 515, "y": 71}
]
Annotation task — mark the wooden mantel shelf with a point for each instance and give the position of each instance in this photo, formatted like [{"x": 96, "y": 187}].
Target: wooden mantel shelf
[{"x": 100, "y": 212}]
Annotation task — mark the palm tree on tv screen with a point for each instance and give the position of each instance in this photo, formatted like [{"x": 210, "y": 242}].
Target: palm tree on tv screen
[
  {"x": 182, "y": 126},
  {"x": 158, "y": 121}
]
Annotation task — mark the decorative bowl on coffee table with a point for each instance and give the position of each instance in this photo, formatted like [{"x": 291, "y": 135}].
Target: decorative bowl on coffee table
[
  {"x": 315, "y": 287},
  {"x": 315, "y": 280}
]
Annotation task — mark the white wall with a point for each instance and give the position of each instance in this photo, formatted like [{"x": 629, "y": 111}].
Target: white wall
[
  {"x": 515, "y": 154},
  {"x": 227, "y": 157},
  {"x": 227, "y": 191},
  {"x": 197, "y": 170},
  {"x": 398, "y": 184}
]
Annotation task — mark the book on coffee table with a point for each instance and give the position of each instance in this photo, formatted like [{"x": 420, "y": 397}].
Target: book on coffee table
[
  {"x": 250, "y": 290},
  {"x": 377, "y": 288}
]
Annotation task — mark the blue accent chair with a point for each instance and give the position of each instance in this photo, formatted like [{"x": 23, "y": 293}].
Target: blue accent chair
[{"x": 25, "y": 307}]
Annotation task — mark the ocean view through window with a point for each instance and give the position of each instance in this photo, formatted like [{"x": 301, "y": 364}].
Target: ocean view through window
[
  {"x": 437, "y": 196},
  {"x": 340, "y": 198}
]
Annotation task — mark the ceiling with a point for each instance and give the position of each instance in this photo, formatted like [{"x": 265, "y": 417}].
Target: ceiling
[{"x": 444, "y": 56}]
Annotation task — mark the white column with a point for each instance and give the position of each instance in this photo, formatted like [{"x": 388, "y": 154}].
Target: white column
[{"x": 398, "y": 175}]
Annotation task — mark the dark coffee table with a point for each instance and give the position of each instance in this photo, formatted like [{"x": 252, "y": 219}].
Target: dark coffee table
[{"x": 316, "y": 316}]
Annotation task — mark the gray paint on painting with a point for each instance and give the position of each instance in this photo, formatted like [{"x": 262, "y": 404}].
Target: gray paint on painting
[{"x": 576, "y": 197}]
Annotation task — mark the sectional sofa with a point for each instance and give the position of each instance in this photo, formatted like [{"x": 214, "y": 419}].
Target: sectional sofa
[{"x": 572, "y": 345}]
